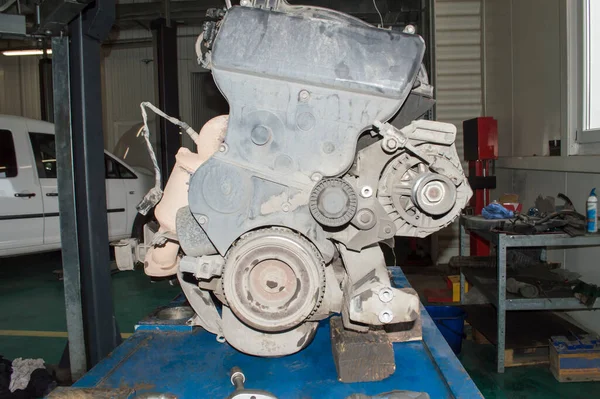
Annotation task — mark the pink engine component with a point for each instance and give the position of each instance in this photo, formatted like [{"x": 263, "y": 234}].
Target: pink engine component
[{"x": 162, "y": 261}]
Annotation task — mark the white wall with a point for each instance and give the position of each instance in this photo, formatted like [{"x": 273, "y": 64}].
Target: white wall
[
  {"x": 20, "y": 86},
  {"x": 128, "y": 76},
  {"x": 127, "y": 80},
  {"x": 523, "y": 49},
  {"x": 458, "y": 84}
]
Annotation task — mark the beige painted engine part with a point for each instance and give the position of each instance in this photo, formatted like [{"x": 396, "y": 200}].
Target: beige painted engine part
[{"x": 161, "y": 261}]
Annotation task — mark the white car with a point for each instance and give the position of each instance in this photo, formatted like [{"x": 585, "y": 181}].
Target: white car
[{"x": 29, "y": 217}]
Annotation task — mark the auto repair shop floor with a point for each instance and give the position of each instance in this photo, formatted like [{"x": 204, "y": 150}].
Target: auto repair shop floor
[{"x": 32, "y": 324}]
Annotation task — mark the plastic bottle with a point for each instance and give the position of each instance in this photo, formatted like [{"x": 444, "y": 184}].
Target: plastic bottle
[{"x": 592, "y": 212}]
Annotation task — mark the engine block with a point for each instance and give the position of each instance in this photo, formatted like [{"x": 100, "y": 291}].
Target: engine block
[{"x": 322, "y": 159}]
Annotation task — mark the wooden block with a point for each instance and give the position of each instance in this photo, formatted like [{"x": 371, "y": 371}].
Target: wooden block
[
  {"x": 405, "y": 332},
  {"x": 516, "y": 357},
  {"x": 478, "y": 337},
  {"x": 526, "y": 356},
  {"x": 361, "y": 357}
]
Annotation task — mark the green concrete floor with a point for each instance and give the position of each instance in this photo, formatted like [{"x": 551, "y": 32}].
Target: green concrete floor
[{"x": 32, "y": 300}]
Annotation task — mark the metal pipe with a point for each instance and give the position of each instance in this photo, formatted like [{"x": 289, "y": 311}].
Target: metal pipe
[{"x": 167, "y": 6}]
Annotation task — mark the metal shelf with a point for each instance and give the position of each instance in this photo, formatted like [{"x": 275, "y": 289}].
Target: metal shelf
[
  {"x": 562, "y": 301},
  {"x": 495, "y": 291}
]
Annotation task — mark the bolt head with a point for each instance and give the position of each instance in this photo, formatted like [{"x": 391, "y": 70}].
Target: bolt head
[
  {"x": 245, "y": 3},
  {"x": 386, "y": 316},
  {"x": 366, "y": 192},
  {"x": 364, "y": 217},
  {"x": 202, "y": 219},
  {"x": 304, "y": 95},
  {"x": 386, "y": 295},
  {"x": 410, "y": 29},
  {"x": 316, "y": 177},
  {"x": 434, "y": 192},
  {"x": 285, "y": 207},
  {"x": 223, "y": 148},
  {"x": 392, "y": 144}
]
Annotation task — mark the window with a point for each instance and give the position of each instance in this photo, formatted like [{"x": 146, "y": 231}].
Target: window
[
  {"x": 44, "y": 152},
  {"x": 110, "y": 168},
  {"x": 125, "y": 173},
  {"x": 8, "y": 157},
  {"x": 114, "y": 169},
  {"x": 591, "y": 72}
]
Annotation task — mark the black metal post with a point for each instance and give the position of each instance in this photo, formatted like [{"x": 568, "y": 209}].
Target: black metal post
[
  {"x": 46, "y": 94},
  {"x": 167, "y": 90},
  {"x": 82, "y": 195},
  {"x": 66, "y": 202}
]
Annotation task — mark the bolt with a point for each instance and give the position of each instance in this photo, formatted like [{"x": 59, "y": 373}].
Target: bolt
[
  {"x": 304, "y": 95},
  {"x": 364, "y": 217},
  {"x": 202, "y": 219},
  {"x": 285, "y": 206},
  {"x": 245, "y": 3},
  {"x": 223, "y": 148},
  {"x": 366, "y": 191},
  {"x": 392, "y": 144},
  {"x": 433, "y": 194},
  {"x": 410, "y": 29},
  {"x": 387, "y": 230},
  {"x": 386, "y": 295},
  {"x": 386, "y": 316},
  {"x": 316, "y": 176}
]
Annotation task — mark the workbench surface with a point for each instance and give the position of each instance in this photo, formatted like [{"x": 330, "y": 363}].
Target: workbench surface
[{"x": 194, "y": 365}]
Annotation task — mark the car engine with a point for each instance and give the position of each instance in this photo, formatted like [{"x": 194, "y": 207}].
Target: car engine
[{"x": 275, "y": 222}]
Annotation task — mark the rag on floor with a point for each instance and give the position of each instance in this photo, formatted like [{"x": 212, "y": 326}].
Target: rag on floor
[{"x": 21, "y": 372}]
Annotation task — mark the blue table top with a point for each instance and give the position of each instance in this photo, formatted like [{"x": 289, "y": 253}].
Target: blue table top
[{"x": 193, "y": 364}]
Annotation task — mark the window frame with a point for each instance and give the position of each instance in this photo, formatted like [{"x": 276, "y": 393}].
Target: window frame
[
  {"x": 16, "y": 158},
  {"x": 584, "y": 135}
]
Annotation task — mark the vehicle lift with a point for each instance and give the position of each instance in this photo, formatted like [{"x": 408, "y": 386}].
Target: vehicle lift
[{"x": 166, "y": 357}]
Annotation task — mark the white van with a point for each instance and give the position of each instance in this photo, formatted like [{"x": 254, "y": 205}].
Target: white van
[{"x": 29, "y": 218}]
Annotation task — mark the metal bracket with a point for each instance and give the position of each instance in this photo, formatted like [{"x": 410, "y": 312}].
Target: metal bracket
[
  {"x": 204, "y": 267},
  {"x": 369, "y": 298},
  {"x": 419, "y": 131}
]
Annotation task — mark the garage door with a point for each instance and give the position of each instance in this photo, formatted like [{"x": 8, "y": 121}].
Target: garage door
[{"x": 458, "y": 82}]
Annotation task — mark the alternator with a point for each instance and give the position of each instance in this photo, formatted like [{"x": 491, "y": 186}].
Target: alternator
[{"x": 282, "y": 224}]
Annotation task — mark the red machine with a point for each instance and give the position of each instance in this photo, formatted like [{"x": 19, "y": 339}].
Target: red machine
[{"x": 481, "y": 150}]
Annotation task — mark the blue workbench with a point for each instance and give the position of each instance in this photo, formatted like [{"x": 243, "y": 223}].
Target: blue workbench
[{"x": 192, "y": 364}]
